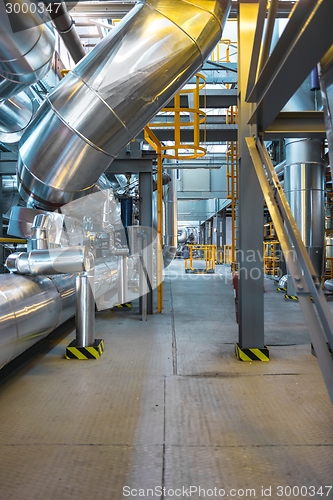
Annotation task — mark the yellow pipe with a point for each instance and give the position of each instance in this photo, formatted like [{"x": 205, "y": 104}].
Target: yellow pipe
[
  {"x": 159, "y": 231},
  {"x": 151, "y": 138}
]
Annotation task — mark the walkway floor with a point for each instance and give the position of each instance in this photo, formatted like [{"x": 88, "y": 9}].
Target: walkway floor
[{"x": 169, "y": 406}]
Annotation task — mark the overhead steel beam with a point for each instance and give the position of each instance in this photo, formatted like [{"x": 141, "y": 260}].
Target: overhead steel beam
[
  {"x": 110, "y": 9},
  {"x": 214, "y": 133},
  {"x": 133, "y": 165},
  {"x": 220, "y": 98},
  {"x": 289, "y": 124},
  {"x": 200, "y": 195},
  {"x": 7, "y": 167},
  {"x": 305, "y": 40}
]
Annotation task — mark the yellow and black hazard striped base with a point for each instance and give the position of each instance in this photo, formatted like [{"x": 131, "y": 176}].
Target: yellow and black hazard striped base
[
  {"x": 127, "y": 305},
  {"x": 279, "y": 289},
  {"x": 89, "y": 352},
  {"x": 291, "y": 297},
  {"x": 254, "y": 354}
]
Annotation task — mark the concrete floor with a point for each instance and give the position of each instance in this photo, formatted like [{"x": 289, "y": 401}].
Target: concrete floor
[{"x": 169, "y": 406}]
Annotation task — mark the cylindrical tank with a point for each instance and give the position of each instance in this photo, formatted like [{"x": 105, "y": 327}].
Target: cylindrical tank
[{"x": 304, "y": 186}]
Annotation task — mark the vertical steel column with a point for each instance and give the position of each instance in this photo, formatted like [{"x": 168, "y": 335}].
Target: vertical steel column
[
  {"x": 171, "y": 212},
  {"x": 146, "y": 220},
  {"x": 251, "y": 278},
  {"x": 221, "y": 233},
  {"x": 143, "y": 282}
]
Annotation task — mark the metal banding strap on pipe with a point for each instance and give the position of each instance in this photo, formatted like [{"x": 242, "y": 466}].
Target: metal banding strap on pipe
[{"x": 107, "y": 99}]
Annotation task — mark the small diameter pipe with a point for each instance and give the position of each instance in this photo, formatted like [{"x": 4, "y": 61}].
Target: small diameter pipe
[
  {"x": 51, "y": 261},
  {"x": 39, "y": 234},
  {"x": 85, "y": 309},
  {"x": 122, "y": 279},
  {"x": 65, "y": 26}
]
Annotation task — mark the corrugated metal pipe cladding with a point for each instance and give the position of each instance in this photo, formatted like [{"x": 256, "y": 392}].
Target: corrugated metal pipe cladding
[{"x": 112, "y": 94}]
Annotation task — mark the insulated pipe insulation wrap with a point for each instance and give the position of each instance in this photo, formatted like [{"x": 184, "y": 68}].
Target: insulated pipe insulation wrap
[
  {"x": 27, "y": 46},
  {"x": 52, "y": 261},
  {"x": 112, "y": 94},
  {"x": 31, "y": 307}
]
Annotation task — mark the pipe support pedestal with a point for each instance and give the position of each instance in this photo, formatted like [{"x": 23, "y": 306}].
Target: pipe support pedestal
[{"x": 85, "y": 346}]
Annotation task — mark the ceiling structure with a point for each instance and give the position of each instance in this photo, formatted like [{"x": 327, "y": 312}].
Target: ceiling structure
[{"x": 94, "y": 19}]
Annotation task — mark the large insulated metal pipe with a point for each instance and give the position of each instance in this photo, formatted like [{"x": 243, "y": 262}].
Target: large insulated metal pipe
[
  {"x": 26, "y": 52},
  {"x": 171, "y": 242},
  {"x": 31, "y": 307},
  {"x": 304, "y": 186},
  {"x": 15, "y": 115},
  {"x": 110, "y": 95},
  {"x": 27, "y": 45}
]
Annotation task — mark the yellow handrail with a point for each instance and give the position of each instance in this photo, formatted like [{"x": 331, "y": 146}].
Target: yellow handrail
[
  {"x": 201, "y": 252},
  {"x": 180, "y": 150},
  {"x": 13, "y": 240}
]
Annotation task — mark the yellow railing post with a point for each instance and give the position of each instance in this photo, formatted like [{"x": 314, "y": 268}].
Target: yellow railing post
[
  {"x": 151, "y": 138},
  {"x": 159, "y": 232}
]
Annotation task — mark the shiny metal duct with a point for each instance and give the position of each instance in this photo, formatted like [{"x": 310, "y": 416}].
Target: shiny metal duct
[
  {"x": 26, "y": 48},
  {"x": 112, "y": 94},
  {"x": 304, "y": 186},
  {"x": 85, "y": 309},
  {"x": 39, "y": 232},
  {"x": 51, "y": 261},
  {"x": 15, "y": 115},
  {"x": 31, "y": 307},
  {"x": 326, "y": 84},
  {"x": 171, "y": 242},
  {"x": 65, "y": 26},
  {"x": 328, "y": 284}
]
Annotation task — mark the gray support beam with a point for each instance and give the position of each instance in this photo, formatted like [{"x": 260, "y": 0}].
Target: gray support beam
[
  {"x": 251, "y": 282},
  {"x": 208, "y": 232},
  {"x": 291, "y": 124},
  {"x": 113, "y": 9},
  {"x": 287, "y": 68},
  {"x": 221, "y": 233},
  {"x": 213, "y": 133},
  {"x": 146, "y": 220}
]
